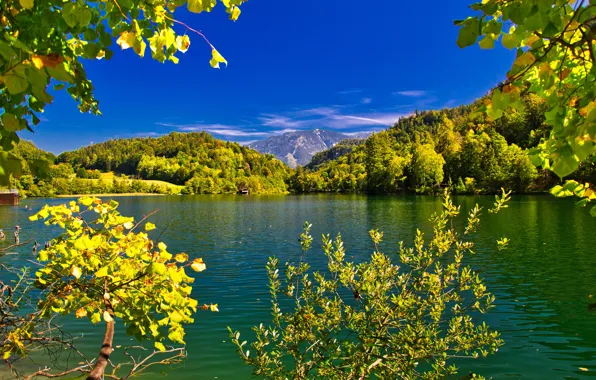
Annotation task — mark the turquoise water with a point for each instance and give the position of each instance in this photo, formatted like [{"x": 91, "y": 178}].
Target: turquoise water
[{"x": 543, "y": 282}]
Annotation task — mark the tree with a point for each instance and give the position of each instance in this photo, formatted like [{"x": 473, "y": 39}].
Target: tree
[
  {"x": 427, "y": 166},
  {"x": 107, "y": 270},
  {"x": 555, "y": 59},
  {"x": 61, "y": 171},
  {"x": 376, "y": 319},
  {"x": 384, "y": 168},
  {"x": 46, "y": 41},
  {"x": 82, "y": 173}
]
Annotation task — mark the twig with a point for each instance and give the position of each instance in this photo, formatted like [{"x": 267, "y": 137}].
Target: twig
[
  {"x": 191, "y": 29},
  {"x": 15, "y": 245}
]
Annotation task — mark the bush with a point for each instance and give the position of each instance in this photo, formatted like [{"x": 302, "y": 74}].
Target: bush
[{"x": 376, "y": 319}]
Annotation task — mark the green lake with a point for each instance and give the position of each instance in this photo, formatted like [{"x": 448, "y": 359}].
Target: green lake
[{"x": 543, "y": 283}]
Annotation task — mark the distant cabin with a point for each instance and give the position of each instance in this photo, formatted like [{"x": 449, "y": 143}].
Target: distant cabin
[
  {"x": 244, "y": 191},
  {"x": 9, "y": 197}
]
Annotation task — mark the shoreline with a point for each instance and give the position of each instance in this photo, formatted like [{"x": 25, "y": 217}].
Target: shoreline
[
  {"x": 104, "y": 195},
  {"x": 257, "y": 195}
]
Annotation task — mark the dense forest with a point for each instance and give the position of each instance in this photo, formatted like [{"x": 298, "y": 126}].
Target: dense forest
[
  {"x": 454, "y": 147},
  {"x": 188, "y": 163}
]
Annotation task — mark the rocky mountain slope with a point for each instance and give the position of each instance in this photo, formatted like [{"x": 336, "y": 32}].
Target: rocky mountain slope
[{"x": 298, "y": 148}]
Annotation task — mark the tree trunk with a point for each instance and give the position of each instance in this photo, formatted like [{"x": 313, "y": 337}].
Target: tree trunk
[{"x": 106, "y": 349}]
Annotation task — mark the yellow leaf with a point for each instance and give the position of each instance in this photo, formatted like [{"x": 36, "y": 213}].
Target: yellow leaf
[
  {"x": 183, "y": 43},
  {"x": 198, "y": 265},
  {"x": 149, "y": 226},
  {"x": 181, "y": 257},
  {"x": 81, "y": 313},
  {"x": 126, "y": 40},
  {"x": 86, "y": 201},
  {"x": 160, "y": 346},
  {"x": 51, "y": 60},
  {"x": 6, "y": 355},
  {"x": 102, "y": 272},
  {"x": 525, "y": 59},
  {"x": 75, "y": 271},
  {"x": 235, "y": 13},
  {"x": 162, "y": 246},
  {"x": 27, "y": 4},
  {"x": 128, "y": 225},
  {"x": 216, "y": 59},
  {"x": 95, "y": 318},
  {"x": 198, "y": 6},
  {"x": 37, "y": 62},
  {"x": 583, "y": 369},
  {"x": 160, "y": 13},
  {"x": 533, "y": 38},
  {"x": 107, "y": 317},
  {"x": 140, "y": 47},
  {"x": 213, "y": 308}
]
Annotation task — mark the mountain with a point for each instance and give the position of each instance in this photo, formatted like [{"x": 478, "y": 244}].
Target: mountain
[{"x": 298, "y": 148}]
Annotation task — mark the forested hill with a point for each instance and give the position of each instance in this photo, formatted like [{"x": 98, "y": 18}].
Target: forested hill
[
  {"x": 190, "y": 163},
  {"x": 453, "y": 147},
  {"x": 198, "y": 160},
  {"x": 340, "y": 149}
]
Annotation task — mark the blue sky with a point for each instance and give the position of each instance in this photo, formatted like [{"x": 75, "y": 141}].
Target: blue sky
[{"x": 345, "y": 65}]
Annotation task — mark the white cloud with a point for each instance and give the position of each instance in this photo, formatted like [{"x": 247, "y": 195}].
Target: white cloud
[
  {"x": 217, "y": 129},
  {"x": 147, "y": 134},
  {"x": 236, "y": 132},
  {"x": 351, "y": 91},
  {"x": 411, "y": 93},
  {"x": 286, "y": 130},
  {"x": 366, "y": 101},
  {"x": 328, "y": 117},
  {"x": 279, "y": 121},
  {"x": 450, "y": 103}
]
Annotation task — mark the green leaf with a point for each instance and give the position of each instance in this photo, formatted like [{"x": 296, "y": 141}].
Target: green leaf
[
  {"x": 493, "y": 113},
  {"x": 487, "y": 43},
  {"x": 83, "y": 16},
  {"x": 9, "y": 165},
  {"x": 15, "y": 83},
  {"x": 68, "y": 14},
  {"x": 468, "y": 34},
  {"x": 565, "y": 165},
  {"x": 10, "y": 122},
  {"x": 6, "y": 51},
  {"x": 593, "y": 211},
  {"x": 59, "y": 72},
  {"x": 492, "y": 27},
  {"x": 510, "y": 41}
]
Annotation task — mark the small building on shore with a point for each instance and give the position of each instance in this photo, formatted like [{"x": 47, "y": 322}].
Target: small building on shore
[
  {"x": 9, "y": 197},
  {"x": 244, "y": 191}
]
